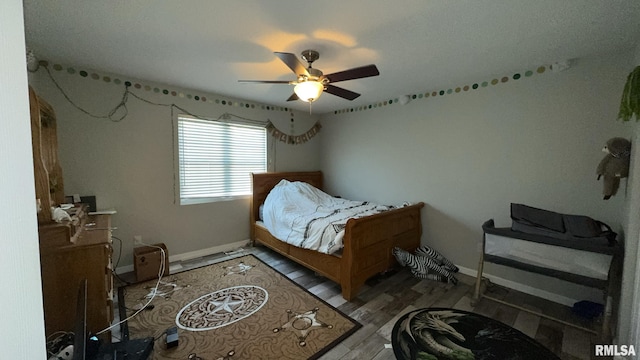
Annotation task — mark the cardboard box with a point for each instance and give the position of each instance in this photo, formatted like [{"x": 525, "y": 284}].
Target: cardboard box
[{"x": 146, "y": 261}]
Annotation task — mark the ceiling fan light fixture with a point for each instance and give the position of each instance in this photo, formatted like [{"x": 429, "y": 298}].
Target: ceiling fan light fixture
[
  {"x": 309, "y": 91},
  {"x": 310, "y": 82}
]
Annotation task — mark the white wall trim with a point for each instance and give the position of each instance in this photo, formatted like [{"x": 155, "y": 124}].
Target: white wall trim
[
  {"x": 464, "y": 270},
  {"x": 194, "y": 254},
  {"x": 521, "y": 287}
]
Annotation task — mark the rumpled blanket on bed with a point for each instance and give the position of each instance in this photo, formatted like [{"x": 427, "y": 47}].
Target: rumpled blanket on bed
[{"x": 302, "y": 215}]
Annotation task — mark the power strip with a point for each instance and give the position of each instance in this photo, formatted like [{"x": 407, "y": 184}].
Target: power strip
[{"x": 64, "y": 354}]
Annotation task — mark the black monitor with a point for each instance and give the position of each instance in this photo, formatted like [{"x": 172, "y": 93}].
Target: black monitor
[{"x": 80, "y": 326}]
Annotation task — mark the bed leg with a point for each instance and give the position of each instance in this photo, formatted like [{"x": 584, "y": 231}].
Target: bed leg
[
  {"x": 477, "y": 292},
  {"x": 350, "y": 292},
  {"x": 605, "y": 330}
]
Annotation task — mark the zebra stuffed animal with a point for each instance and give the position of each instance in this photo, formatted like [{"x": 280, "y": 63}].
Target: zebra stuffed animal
[
  {"x": 423, "y": 267},
  {"x": 429, "y": 276},
  {"x": 432, "y": 253}
]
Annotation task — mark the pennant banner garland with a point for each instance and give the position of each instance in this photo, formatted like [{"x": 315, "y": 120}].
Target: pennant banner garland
[{"x": 293, "y": 139}]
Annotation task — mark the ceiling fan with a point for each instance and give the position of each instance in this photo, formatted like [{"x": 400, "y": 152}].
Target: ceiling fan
[{"x": 311, "y": 82}]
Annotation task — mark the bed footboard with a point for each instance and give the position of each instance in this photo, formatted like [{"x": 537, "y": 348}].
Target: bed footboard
[{"x": 369, "y": 241}]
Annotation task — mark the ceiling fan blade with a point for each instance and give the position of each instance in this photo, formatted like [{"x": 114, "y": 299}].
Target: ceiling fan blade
[
  {"x": 293, "y": 63},
  {"x": 266, "y": 81},
  {"x": 355, "y": 73},
  {"x": 293, "y": 97},
  {"x": 343, "y": 93}
]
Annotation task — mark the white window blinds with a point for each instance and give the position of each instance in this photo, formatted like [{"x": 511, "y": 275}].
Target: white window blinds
[{"x": 216, "y": 159}]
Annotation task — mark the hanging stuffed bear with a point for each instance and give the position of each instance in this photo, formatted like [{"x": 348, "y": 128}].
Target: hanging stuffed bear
[{"x": 615, "y": 165}]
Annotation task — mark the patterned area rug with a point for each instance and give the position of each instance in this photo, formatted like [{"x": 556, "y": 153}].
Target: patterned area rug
[
  {"x": 236, "y": 309},
  {"x": 442, "y": 333}
]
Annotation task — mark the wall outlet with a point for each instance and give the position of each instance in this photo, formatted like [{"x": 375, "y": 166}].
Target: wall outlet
[{"x": 137, "y": 239}]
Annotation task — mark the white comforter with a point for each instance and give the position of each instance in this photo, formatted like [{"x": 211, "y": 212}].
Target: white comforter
[{"x": 304, "y": 216}]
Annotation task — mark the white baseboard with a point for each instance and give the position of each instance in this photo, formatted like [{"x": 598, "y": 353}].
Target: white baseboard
[
  {"x": 560, "y": 299},
  {"x": 464, "y": 270},
  {"x": 193, "y": 254}
]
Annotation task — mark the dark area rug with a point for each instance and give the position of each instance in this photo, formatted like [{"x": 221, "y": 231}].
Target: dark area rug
[
  {"x": 236, "y": 309},
  {"x": 443, "y": 333}
]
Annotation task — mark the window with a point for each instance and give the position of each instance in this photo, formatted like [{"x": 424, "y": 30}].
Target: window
[{"x": 215, "y": 159}]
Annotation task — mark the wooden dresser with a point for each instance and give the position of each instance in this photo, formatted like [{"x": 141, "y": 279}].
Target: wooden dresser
[
  {"x": 66, "y": 259},
  {"x": 70, "y": 250}
]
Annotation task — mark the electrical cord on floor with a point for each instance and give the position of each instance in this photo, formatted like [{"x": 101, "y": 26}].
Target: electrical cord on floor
[
  {"x": 153, "y": 292},
  {"x": 58, "y": 341},
  {"x": 124, "y": 294},
  {"x": 121, "y": 280},
  {"x": 113, "y": 271},
  {"x": 119, "y": 250}
]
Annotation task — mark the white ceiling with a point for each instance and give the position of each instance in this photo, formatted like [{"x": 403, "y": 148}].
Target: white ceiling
[{"x": 418, "y": 45}]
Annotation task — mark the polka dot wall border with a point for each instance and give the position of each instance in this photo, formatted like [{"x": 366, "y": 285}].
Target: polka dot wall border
[
  {"x": 449, "y": 91},
  {"x": 383, "y": 103},
  {"x": 108, "y": 79}
]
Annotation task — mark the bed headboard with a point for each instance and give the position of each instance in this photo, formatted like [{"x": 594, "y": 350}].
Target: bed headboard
[{"x": 264, "y": 182}]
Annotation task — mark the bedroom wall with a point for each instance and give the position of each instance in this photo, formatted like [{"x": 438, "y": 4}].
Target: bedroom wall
[
  {"x": 629, "y": 324},
  {"x": 22, "y": 332},
  {"x": 468, "y": 155},
  {"x": 129, "y": 165}
]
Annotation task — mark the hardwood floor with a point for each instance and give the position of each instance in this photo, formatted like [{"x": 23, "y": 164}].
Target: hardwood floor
[{"x": 387, "y": 297}]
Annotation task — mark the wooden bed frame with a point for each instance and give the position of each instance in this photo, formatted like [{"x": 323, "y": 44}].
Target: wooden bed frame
[{"x": 368, "y": 241}]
